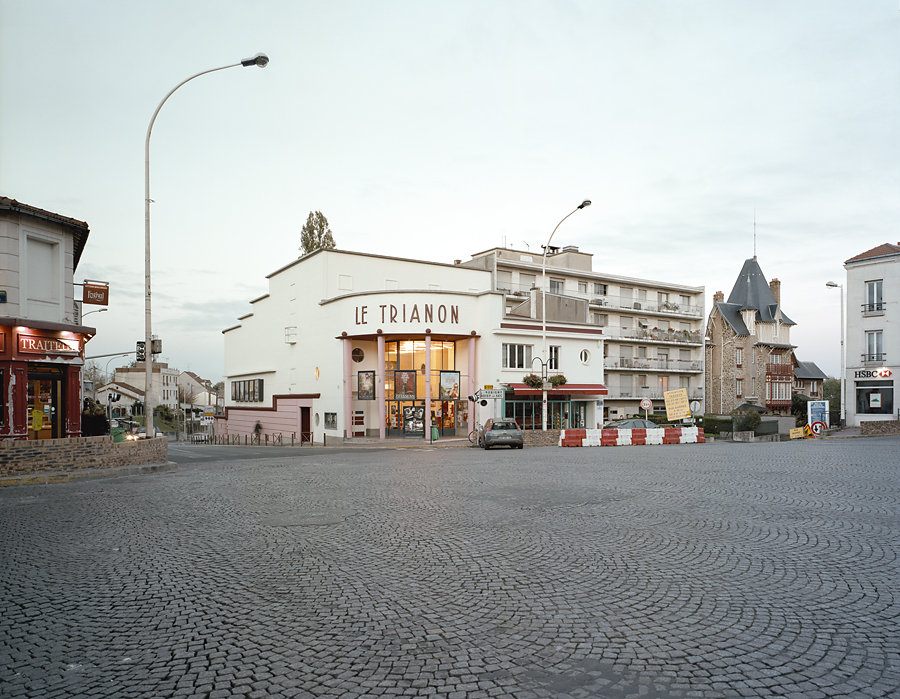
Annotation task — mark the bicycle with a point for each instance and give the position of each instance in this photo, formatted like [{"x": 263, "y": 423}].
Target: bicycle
[{"x": 474, "y": 434}]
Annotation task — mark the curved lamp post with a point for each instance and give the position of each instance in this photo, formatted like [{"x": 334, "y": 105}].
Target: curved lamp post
[
  {"x": 835, "y": 285},
  {"x": 260, "y": 60},
  {"x": 585, "y": 203}
]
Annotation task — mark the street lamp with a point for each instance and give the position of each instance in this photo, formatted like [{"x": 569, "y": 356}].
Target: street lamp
[
  {"x": 99, "y": 310},
  {"x": 835, "y": 285},
  {"x": 586, "y": 202},
  {"x": 260, "y": 60}
]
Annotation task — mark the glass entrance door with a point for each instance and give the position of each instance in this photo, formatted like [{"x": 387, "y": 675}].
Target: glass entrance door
[{"x": 44, "y": 403}]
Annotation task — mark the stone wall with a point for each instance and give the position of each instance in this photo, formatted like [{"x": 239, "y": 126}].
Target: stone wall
[
  {"x": 538, "y": 438},
  {"x": 876, "y": 427},
  {"x": 23, "y": 457}
]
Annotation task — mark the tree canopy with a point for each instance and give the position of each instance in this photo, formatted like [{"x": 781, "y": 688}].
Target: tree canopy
[{"x": 315, "y": 234}]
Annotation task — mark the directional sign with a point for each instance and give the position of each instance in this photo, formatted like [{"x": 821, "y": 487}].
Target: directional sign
[{"x": 491, "y": 393}]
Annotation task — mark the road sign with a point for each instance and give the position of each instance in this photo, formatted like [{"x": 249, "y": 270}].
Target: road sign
[
  {"x": 646, "y": 404},
  {"x": 491, "y": 393},
  {"x": 695, "y": 406}
]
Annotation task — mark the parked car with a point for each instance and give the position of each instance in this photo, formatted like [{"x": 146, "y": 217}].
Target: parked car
[
  {"x": 502, "y": 432},
  {"x": 632, "y": 424}
]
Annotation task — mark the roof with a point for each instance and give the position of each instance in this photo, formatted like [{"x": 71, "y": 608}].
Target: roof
[
  {"x": 80, "y": 230},
  {"x": 882, "y": 250},
  {"x": 751, "y": 291},
  {"x": 122, "y": 387},
  {"x": 809, "y": 371}
]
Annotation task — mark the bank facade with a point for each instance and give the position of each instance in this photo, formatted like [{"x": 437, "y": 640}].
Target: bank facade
[
  {"x": 873, "y": 334},
  {"x": 346, "y": 344}
]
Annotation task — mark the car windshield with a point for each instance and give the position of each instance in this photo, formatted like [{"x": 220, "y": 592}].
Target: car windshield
[{"x": 504, "y": 425}]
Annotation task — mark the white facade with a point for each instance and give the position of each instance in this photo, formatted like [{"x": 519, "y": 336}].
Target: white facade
[
  {"x": 332, "y": 315},
  {"x": 164, "y": 383},
  {"x": 653, "y": 330},
  {"x": 872, "y": 362}
]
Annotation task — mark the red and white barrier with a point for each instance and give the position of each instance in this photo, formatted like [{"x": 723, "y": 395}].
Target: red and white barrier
[{"x": 613, "y": 438}]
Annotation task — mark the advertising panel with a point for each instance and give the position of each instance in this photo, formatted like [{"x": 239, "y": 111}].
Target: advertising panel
[
  {"x": 817, "y": 411},
  {"x": 449, "y": 386},
  {"x": 366, "y": 388},
  {"x": 405, "y": 385}
]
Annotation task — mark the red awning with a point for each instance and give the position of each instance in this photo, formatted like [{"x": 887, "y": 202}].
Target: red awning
[{"x": 573, "y": 389}]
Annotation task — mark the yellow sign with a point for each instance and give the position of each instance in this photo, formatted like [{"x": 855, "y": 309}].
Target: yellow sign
[
  {"x": 488, "y": 386},
  {"x": 37, "y": 419},
  {"x": 797, "y": 433},
  {"x": 677, "y": 405}
]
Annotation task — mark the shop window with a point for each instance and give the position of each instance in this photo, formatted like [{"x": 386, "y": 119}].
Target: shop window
[
  {"x": 2, "y": 394},
  {"x": 874, "y": 398},
  {"x": 330, "y": 421},
  {"x": 516, "y": 356}
]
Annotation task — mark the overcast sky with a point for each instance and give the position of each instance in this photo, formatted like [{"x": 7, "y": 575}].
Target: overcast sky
[{"x": 437, "y": 130}]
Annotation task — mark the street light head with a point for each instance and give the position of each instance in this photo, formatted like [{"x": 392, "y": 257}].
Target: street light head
[
  {"x": 260, "y": 59},
  {"x": 586, "y": 202},
  {"x": 833, "y": 285}
]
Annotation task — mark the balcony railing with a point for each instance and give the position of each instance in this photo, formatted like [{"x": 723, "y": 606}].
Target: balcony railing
[
  {"x": 878, "y": 357},
  {"x": 653, "y": 393},
  {"x": 873, "y": 308},
  {"x": 651, "y": 364},
  {"x": 612, "y": 302},
  {"x": 693, "y": 337},
  {"x": 780, "y": 370}
]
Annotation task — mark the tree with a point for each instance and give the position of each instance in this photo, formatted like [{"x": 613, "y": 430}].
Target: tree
[
  {"x": 831, "y": 390},
  {"x": 315, "y": 234},
  {"x": 94, "y": 374}
]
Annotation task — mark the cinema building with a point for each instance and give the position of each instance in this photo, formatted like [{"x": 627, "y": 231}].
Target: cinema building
[
  {"x": 41, "y": 340},
  {"x": 347, "y": 344}
]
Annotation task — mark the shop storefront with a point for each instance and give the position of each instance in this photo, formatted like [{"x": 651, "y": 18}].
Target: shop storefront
[
  {"x": 40, "y": 378},
  {"x": 569, "y": 406}
]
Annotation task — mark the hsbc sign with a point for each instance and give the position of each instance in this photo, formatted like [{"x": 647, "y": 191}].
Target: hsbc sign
[{"x": 883, "y": 373}]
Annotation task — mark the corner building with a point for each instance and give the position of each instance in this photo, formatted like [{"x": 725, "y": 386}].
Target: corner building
[{"x": 347, "y": 344}]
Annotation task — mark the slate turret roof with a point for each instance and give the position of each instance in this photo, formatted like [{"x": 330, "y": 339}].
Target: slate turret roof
[{"x": 751, "y": 291}]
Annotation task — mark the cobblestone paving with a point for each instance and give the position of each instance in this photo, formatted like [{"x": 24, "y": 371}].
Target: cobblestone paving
[{"x": 717, "y": 570}]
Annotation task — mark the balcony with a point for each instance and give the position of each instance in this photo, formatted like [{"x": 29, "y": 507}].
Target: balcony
[
  {"x": 651, "y": 364},
  {"x": 653, "y": 393},
  {"x": 877, "y": 358},
  {"x": 690, "y": 337},
  {"x": 644, "y": 305},
  {"x": 780, "y": 370},
  {"x": 873, "y": 309}
]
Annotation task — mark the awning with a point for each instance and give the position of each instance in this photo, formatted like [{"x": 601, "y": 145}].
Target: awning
[{"x": 568, "y": 389}]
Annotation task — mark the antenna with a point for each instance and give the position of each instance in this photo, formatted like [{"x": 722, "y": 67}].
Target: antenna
[{"x": 754, "y": 232}]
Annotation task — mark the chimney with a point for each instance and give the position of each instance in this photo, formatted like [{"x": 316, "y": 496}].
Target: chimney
[
  {"x": 718, "y": 297},
  {"x": 775, "y": 286},
  {"x": 457, "y": 262}
]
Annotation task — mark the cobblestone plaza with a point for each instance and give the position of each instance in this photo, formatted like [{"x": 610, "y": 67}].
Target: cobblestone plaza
[{"x": 711, "y": 570}]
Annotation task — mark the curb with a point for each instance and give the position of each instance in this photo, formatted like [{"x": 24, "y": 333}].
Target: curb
[{"x": 53, "y": 477}]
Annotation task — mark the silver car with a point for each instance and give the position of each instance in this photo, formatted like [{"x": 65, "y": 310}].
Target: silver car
[{"x": 502, "y": 432}]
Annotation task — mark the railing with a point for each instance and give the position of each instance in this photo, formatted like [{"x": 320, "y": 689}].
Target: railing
[
  {"x": 877, "y": 357},
  {"x": 780, "y": 370},
  {"x": 877, "y": 307},
  {"x": 652, "y": 364},
  {"x": 653, "y": 393},
  {"x": 615, "y": 302},
  {"x": 693, "y": 337}
]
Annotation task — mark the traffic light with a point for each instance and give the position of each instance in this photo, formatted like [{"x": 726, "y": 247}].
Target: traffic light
[{"x": 141, "y": 354}]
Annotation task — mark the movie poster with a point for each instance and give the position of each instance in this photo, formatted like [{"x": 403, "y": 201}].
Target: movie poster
[
  {"x": 404, "y": 385},
  {"x": 366, "y": 389},
  {"x": 449, "y": 388}
]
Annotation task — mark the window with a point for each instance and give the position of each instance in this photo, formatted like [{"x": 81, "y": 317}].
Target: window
[
  {"x": 599, "y": 319},
  {"x": 874, "y": 346},
  {"x": 685, "y": 382},
  {"x": 357, "y": 355},
  {"x": 874, "y": 397},
  {"x": 874, "y": 299},
  {"x": 248, "y": 391},
  {"x": 516, "y": 356},
  {"x": 582, "y": 287},
  {"x": 526, "y": 281},
  {"x": 739, "y": 387},
  {"x": 599, "y": 289},
  {"x": 775, "y": 359},
  {"x": 553, "y": 360},
  {"x": 585, "y": 357},
  {"x": 739, "y": 356},
  {"x": 557, "y": 285},
  {"x": 685, "y": 300}
]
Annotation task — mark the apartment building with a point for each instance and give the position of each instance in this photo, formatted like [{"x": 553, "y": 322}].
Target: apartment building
[
  {"x": 872, "y": 334},
  {"x": 652, "y": 331},
  {"x": 163, "y": 386}
]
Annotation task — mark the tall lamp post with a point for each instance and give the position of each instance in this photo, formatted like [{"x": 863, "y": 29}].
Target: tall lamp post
[
  {"x": 260, "y": 60},
  {"x": 835, "y": 285},
  {"x": 586, "y": 202}
]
